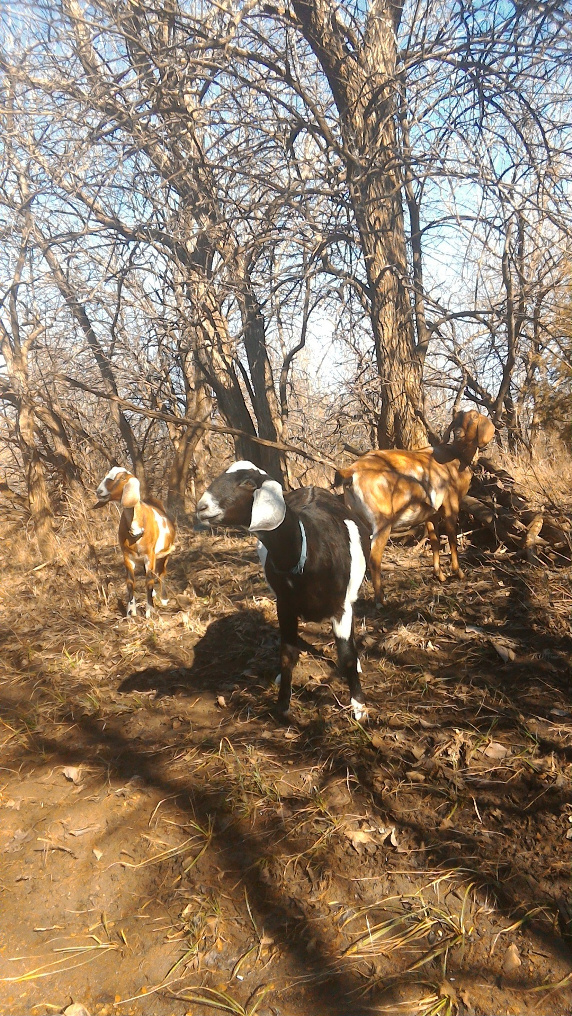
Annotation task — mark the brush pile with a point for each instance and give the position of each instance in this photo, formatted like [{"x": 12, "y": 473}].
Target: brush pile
[{"x": 541, "y": 534}]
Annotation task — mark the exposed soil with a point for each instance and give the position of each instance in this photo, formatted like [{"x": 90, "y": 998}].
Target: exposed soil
[{"x": 169, "y": 847}]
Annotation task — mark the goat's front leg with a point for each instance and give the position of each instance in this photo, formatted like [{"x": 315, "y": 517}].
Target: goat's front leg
[
  {"x": 433, "y": 535},
  {"x": 289, "y": 653},
  {"x": 378, "y": 544},
  {"x": 450, "y": 524},
  {"x": 348, "y": 662},
  {"x": 130, "y": 572}
]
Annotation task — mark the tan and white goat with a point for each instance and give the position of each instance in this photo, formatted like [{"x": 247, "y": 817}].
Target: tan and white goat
[
  {"x": 396, "y": 490},
  {"x": 146, "y": 533}
]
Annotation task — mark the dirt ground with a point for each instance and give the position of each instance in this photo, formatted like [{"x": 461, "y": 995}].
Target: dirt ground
[{"x": 168, "y": 847}]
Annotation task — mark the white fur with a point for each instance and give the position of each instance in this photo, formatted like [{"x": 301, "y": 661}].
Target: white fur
[
  {"x": 164, "y": 534},
  {"x": 244, "y": 464},
  {"x": 343, "y": 627},
  {"x": 359, "y": 710},
  {"x": 115, "y": 471},
  {"x": 102, "y": 491},
  {"x": 268, "y": 507},
  {"x": 262, "y": 553},
  {"x": 209, "y": 505}
]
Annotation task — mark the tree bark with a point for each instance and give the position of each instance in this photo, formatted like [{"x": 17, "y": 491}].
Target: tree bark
[{"x": 364, "y": 84}]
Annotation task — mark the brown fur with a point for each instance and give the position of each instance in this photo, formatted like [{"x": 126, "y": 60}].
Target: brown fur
[{"x": 396, "y": 490}]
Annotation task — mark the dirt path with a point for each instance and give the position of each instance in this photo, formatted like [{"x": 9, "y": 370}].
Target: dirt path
[{"x": 167, "y": 847}]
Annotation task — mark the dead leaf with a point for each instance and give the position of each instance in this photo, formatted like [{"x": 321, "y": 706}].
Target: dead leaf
[
  {"x": 359, "y": 836},
  {"x": 377, "y": 740},
  {"x": 221, "y": 701},
  {"x": 76, "y": 1009},
  {"x": 98, "y": 853},
  {"x": 505, "y": 652},
  {"x": 72, "y": 773},
  {"x": 495, "y": 750},
  {"x": 512, "y": 960},
  {"x": 414, "y": 776},
  {"x": 290, "y": 735}
]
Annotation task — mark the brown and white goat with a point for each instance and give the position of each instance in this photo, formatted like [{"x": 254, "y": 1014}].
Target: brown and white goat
[
  {"x": 146, "y": 533},
  {"x": 396, "y": 490}
]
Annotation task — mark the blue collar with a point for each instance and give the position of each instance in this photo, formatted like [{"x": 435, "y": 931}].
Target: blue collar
[{"x": 299, "y": 568}]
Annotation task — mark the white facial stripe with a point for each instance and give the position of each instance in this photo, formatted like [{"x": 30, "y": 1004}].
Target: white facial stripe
[
  {"x": 114, "y": 472},
  {"x": 244, "y": 464},
  {"x": 208, "y": 504}
]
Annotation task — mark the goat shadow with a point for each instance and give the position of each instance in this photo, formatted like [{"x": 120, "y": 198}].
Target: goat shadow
[{"x": 231, "y": 644}]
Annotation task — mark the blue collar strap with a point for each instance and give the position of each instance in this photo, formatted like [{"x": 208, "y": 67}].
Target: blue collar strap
[{"x": 299, "y": 568}]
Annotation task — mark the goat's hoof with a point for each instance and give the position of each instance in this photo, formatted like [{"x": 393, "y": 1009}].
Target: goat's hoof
[
  {"x": 359, "y": 710},
  {"x": 277, "y": 680},
  {"x": 459, "y": 573},
  {"x": 148, "y": 612},
  {"x": 131, "y": 610},
  {"x": 440, "y": 576},
  {"x": 164, "y": 603}
]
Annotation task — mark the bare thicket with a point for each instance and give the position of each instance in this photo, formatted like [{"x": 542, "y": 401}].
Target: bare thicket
[{"x": 275, "y": 225}]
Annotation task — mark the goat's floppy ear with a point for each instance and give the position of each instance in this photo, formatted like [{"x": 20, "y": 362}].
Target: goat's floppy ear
[
  {"x": 131, "y": 493},
  {"x": 485, "y": 431},
  {"x": 268, "y": 507}
]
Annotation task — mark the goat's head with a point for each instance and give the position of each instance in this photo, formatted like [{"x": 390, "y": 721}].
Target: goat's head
[
  {"x": 472, "y": 428},
  {"x": 118, "y": 485},
  {"x": 243, "y": 496}
]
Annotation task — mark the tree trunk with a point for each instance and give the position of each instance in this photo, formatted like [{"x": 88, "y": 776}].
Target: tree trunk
[
  {"x": 365, "y": 88},
  {"x": 38, "y": 498}
]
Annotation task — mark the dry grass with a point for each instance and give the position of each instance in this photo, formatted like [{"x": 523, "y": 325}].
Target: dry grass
[
  {"x": 207, "y": 854},
  {"x": 545, "y": 478}
]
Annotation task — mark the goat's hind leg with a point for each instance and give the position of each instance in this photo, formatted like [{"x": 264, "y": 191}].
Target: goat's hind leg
[
  {"x": 131, "y": 602},
  {"x": 348, "y": 662},
  {"x": 150, "y": 578},
  {"x": 160, "y": 570},
  {"x": 378, "y": 544}
]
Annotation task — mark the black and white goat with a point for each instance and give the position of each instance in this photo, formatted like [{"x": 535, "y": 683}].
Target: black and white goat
[{"x": 313, "y": 550}]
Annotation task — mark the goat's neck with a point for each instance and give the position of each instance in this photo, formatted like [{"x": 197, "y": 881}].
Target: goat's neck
[
  {"x": 459, "y": 451},
  {"x": 134, "y": 515},
  {"x": 284, "y": 544}
]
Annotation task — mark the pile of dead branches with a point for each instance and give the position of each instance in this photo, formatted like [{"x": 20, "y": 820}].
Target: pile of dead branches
[{"x": 505, "y": 517}]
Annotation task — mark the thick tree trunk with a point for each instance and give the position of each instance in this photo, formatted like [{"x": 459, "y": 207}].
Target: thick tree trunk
[
  {"x": 366, "y": 92},
  {"x": 38, "y": 498},
  {"x": 265, "y": 401}
]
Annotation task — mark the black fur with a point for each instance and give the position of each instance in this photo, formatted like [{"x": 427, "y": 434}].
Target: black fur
[{"x": 320, "y": 590}]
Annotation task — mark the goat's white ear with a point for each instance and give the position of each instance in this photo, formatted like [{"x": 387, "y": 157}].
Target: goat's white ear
[
  {"x": 131, "y": 493},
  {"x": 268, "y": 507}
]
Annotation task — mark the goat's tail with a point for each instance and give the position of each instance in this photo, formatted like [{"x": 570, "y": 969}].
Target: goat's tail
[{"x": 342, "y": 476}]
